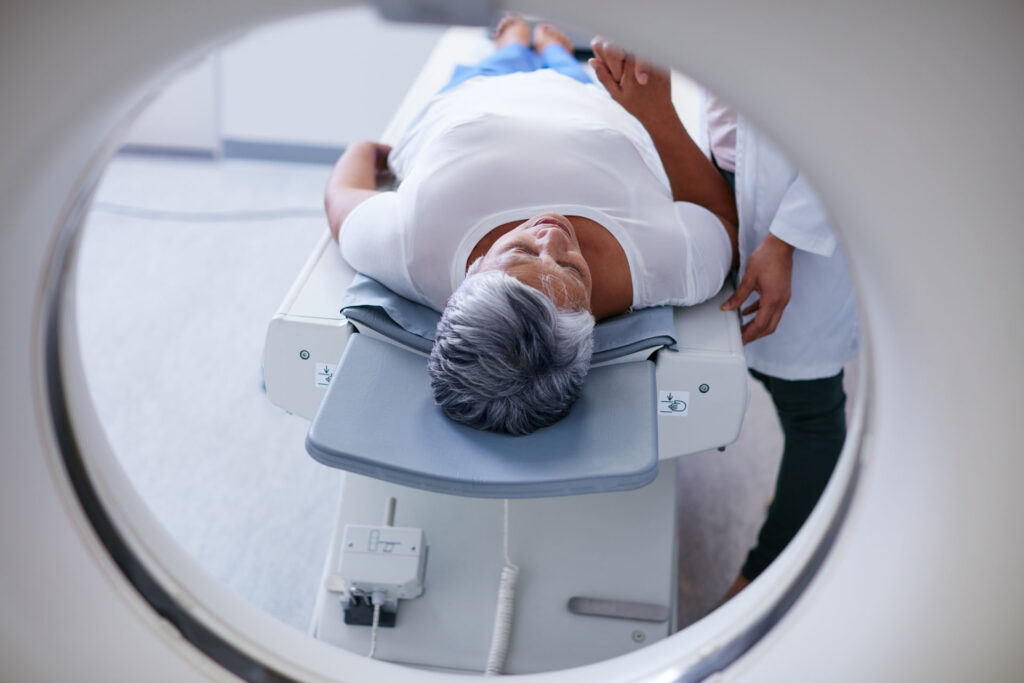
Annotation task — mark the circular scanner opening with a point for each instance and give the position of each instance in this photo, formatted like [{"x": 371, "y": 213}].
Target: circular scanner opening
[{"x": 196, "y": 232}]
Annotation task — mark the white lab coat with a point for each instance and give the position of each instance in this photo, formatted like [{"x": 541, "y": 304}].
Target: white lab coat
[{"x": 819, "y": 329}]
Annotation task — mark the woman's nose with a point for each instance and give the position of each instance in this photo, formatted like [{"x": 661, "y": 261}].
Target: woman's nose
[{"x": 554, "y": 239}]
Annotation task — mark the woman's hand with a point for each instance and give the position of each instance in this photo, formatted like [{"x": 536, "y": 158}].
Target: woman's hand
[
  {"x": 642, "y": 89},
  {"x": 614, "y": 58},
  {"x": 354, "y": 180},
  {"x": 381, "y": 152},
  {"x": 361, "y": 163}
]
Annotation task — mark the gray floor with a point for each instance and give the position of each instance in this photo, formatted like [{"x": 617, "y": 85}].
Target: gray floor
[
  {"x": 722, "y": 501},
  {"x": 173, "y": 309},
  {"x": 174, "y": 300}
]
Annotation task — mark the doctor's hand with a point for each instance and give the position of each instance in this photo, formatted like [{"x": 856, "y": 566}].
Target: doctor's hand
[
  {"x": 769, "y": 271},
  {"x": 641, "y": 88}
]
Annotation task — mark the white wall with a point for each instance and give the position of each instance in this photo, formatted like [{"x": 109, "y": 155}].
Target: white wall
[
  {"x": 184, "y": 115},
  {"x": 325, "y": 80}
]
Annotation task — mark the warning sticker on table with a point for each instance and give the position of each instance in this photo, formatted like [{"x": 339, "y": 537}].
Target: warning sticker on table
[
  {"x": 674, "y": 403},
  {"x": 324, "y": 374}
]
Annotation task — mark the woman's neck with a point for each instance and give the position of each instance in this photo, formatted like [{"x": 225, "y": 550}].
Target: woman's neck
[{"x": 613, "y": 287}]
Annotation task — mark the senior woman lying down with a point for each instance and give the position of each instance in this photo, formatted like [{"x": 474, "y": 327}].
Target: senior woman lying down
[{"x": 530, "y": 203}]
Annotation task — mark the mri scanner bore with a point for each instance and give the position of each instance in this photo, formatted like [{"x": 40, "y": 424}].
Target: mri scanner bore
[
  {"x": 643, "y": 593},
  {"x": 908, "y": 569}
]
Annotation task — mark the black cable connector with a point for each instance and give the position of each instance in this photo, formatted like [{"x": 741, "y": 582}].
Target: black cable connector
[{"x": 359, "y": 612}]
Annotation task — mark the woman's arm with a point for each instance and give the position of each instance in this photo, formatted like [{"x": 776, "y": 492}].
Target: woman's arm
[
  {"x": 692, "y": 175},
  {"x": 353, "y": 180}
]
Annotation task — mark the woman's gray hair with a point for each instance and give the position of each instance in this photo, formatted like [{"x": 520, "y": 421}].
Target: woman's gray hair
[{"x": 506, "y": 358}]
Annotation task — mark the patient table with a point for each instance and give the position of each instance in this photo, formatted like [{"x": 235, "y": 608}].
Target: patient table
[{"x": 592, "y": 521}]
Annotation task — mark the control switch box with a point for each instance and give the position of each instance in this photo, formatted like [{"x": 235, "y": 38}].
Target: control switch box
[{"x": 386, "y": 561}]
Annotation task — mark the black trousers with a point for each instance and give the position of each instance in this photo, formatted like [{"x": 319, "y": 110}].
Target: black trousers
[{"x": 813, "y": 417}]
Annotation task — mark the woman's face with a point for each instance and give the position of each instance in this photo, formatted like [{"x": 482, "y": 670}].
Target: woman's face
[{"x": 544, "y": 253}]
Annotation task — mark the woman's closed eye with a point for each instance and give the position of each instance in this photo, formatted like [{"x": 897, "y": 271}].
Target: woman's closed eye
[
  {"x": 573, "y": 268},
  {"x": 529, "y": 251}
]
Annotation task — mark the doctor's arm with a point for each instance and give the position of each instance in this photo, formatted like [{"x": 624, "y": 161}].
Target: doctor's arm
[{"x": 353, "y": 180}]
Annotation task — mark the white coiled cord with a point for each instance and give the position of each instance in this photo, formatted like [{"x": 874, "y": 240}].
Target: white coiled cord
[
  {"x": 373, "y": 631},
  {"x": 505, "y": 612}
]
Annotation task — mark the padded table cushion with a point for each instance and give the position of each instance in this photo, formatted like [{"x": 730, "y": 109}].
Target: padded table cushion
[
  {"x": 370, "y": 303},
  {"x": 378, "y": 418}
]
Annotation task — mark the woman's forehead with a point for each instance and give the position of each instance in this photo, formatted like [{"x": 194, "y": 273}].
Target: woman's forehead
[{"x": 562, "y": 288}]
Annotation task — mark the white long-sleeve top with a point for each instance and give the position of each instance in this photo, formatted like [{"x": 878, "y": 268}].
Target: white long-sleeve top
[{"x": 819, "y": 329}]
